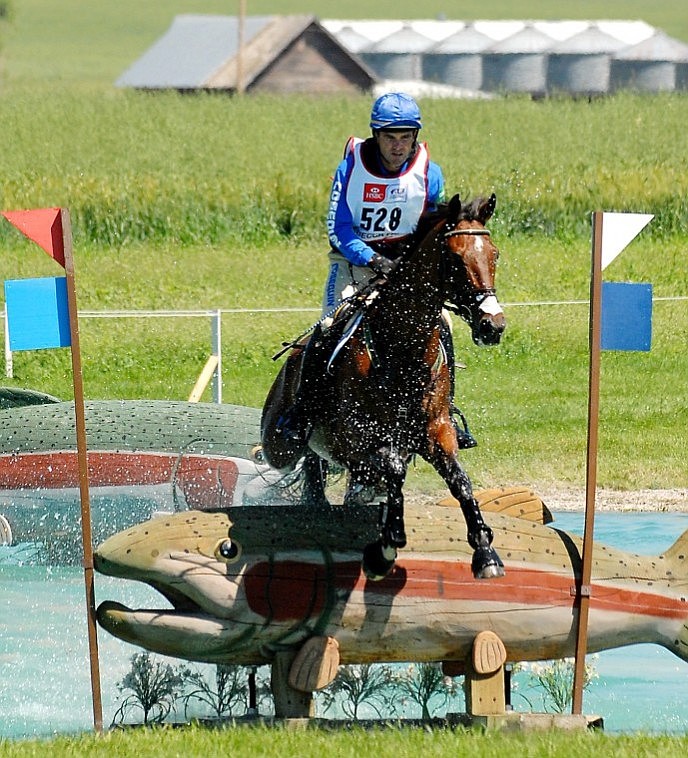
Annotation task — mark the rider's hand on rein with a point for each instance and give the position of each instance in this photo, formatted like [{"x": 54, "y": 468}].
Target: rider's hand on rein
[{"x": 382, "y": 265}]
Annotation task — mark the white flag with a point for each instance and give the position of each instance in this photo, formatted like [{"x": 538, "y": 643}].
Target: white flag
[{"x": 618, "y": 229}]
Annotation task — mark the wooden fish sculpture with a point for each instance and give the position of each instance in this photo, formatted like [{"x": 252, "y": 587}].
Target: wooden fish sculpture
[{"x": 251, "y": 582}]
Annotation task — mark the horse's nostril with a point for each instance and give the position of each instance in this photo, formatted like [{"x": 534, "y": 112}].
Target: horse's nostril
[{"x": 488, "y": 333}]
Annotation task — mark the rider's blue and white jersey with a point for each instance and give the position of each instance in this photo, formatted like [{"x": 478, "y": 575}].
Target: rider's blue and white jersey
[{"x": 367, "y": 204}]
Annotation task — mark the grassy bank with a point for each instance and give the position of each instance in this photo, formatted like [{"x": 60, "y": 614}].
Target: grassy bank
[{"x": 315, "y": 743}]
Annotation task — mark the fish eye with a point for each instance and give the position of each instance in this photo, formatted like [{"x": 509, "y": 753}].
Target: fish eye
[{"x": 228, "y": 551}]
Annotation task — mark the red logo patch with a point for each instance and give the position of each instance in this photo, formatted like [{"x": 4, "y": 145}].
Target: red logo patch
[{"x": 374, "y": 193}]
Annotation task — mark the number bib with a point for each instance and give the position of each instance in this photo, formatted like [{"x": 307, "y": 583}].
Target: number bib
[{"x": 387, "y": 207}]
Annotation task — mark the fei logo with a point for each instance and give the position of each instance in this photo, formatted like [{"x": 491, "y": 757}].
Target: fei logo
[
  {"x": 374, "y": 193},
  {"x": 397, "y": 194}
]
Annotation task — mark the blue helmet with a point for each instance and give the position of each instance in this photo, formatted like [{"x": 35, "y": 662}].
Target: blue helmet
[{"x": 395, "y": 110}]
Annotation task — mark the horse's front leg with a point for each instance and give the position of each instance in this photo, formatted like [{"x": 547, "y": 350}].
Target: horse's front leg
[{"x": 486, "y": 563}]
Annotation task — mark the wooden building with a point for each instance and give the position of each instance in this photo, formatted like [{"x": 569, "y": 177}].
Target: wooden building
[{"x": 284, "y": 54}]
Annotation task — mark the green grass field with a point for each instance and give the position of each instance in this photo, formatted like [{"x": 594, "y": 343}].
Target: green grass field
[
  {"x": 296, "y": 743},
  {"x": 213, "y": 203},
  {"x": 177, "y": 205}
]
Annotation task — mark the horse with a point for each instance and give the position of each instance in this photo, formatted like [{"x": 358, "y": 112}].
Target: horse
[{"x": 388, "y": 383}]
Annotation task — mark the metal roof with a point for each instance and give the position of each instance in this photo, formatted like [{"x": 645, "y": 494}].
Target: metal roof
[
  {"x": 404, "y": 40},
  {"x": 658, "y": 47},
  {"x": 193, "y": 49},
  {"x": 467, "y": 40},
  {"x": 352, "y": 40},
  {"x": 630, "y": 32},
  {"x": 590, "y": 41},
  {"x": 528, "y": 40}
]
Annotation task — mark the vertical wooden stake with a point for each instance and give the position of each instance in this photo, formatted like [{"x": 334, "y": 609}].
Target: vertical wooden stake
[
  {"x": 583, "y": 589},
  {"x": 80, "y": 417}
]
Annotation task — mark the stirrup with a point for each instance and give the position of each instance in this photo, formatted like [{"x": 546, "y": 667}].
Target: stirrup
[{"x": 464, "y": 438}]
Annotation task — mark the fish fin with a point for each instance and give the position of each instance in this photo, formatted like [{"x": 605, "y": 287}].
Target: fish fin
[
  {"x": 315, "y": 665},
  {"x": 517, "y": 502},
  {"x": 677, "y": 555}
]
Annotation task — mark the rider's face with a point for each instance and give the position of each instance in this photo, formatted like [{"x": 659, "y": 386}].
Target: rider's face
[{"x": 395, "y": 147}]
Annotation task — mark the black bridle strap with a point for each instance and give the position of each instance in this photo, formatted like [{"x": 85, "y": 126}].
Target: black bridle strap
[{"x": 474, "y": 232}]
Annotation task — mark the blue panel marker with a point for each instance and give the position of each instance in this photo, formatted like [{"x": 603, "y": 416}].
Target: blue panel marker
[
  {"x": 37, "y": 313},
  {"x": 626, "y": 316}
]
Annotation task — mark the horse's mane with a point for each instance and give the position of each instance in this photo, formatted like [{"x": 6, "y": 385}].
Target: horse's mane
[{"x": 429, "y": 220}]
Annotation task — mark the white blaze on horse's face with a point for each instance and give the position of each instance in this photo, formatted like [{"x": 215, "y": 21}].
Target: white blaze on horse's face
[
  {"x": 472, "y": 243},
  {"x": 490, "y": 305}
]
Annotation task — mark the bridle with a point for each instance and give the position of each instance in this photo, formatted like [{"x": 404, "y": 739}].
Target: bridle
[
  {"x": 474, "y": 232},
  {"x": 478, "y": 295}
]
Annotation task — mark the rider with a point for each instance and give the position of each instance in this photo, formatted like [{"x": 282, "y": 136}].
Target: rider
[{"x": 379, "y": 191}]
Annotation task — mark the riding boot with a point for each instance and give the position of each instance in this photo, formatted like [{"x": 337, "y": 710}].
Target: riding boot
[
  {"x": 295, "y": 424},
  {"x": 464, "y": 437}
]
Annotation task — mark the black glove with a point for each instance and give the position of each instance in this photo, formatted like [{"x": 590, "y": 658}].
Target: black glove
[{"x": 381, "y": 265}]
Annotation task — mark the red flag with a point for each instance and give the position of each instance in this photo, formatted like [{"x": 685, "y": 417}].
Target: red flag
[{"x": 44, "y": 227}]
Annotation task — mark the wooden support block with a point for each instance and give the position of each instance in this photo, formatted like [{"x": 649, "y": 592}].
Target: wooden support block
[
  {"x": 315, "y": 665},
  {"x": 289, "y": 702},
  {"x": 484, "y": 681}
]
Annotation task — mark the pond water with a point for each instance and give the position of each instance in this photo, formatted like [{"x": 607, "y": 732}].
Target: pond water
[{"x": 45, "y": 684}]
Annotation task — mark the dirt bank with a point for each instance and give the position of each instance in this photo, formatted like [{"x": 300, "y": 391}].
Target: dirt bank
[{"x": 573, "y": 499}]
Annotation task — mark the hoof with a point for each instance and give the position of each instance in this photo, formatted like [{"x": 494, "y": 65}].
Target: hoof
[
  {"x": 378, "y": 560},
  {"x": 486, "y": 564},
  {"x": 317, "y": 502}
]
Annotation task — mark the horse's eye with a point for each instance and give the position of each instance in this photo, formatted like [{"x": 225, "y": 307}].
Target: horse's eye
[{"x": 227, "y": 551}]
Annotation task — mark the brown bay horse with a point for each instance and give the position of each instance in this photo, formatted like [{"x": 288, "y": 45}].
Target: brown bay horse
[{"x": 388, "y": 388}]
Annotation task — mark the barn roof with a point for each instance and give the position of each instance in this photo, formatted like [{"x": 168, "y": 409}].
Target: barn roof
[
  {"x": 201, "y": 51},
  {"x": 190, "y": 52}
]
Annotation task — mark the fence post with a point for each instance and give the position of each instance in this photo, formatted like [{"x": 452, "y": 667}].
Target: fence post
[
  {"x": 216, "y": 327},
  {"x": 9, "y": 366}
]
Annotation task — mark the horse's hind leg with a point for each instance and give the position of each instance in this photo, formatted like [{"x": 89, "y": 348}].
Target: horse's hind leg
[
  {"x": 314, "y": 469},
  {"x": 379, "y": 557}
]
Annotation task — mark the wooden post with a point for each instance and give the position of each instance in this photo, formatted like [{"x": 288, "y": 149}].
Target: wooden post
[
  {"x": 583, "y": 589},
  {"x": 80, "y": 418},
  {"x": 240, "y": 48}
]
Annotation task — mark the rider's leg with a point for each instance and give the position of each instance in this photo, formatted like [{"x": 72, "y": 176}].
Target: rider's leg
[
  {"x": 312, "y": 385},
  {"x": 296, "y": 421},
  {"x": 463, "y": 435}
]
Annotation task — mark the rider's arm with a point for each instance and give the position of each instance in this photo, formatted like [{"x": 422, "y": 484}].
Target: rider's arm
[
  {"x": 436, "y": 193},
  {"x": 340, "y": 229}
]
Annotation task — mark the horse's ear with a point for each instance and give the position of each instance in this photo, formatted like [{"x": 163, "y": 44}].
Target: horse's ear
[
  {"x": 454, "y": 207},
  {"x": 487, "y": 208}
]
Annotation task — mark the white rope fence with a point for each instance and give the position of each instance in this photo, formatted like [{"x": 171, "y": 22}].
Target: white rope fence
[{"x": 213, "y": 367}]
